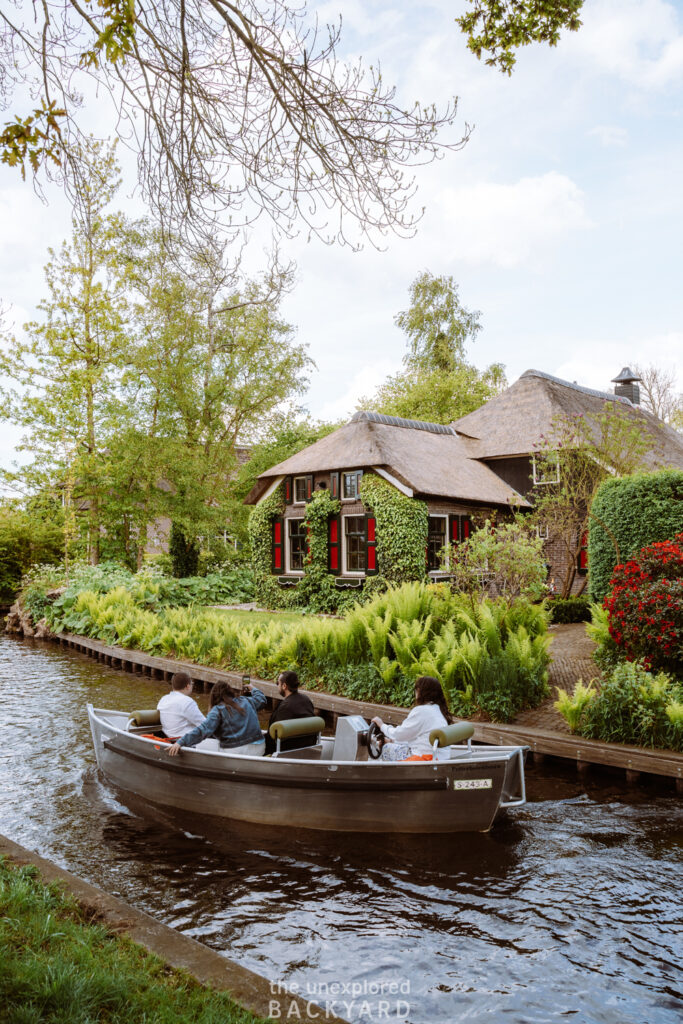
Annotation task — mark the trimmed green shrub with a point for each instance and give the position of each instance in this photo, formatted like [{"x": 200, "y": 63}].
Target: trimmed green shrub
[
  {"x": 569, "y": 609},
  {"x": 627, "y": 514}
]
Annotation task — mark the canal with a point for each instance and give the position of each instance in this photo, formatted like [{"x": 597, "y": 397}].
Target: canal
[{"x": 570, "y": 908}]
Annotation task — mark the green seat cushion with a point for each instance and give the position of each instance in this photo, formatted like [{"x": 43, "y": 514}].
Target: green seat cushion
[
  {"x": 292, "y": 727},
  {"x": 456, "y": 733},
  {"x": 141, "y": 718}
]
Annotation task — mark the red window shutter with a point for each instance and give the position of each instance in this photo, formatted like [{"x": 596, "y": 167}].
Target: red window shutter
[
  {"x": 278, "y": 546},
  {"x": 466, "y": 527},
  {"x": 334, "y": 547},
  {"x": 454, "y": 529},
  {"x": 370, "y": 546},
  {"x": 583, "y": 554},
  {"x": 309, "y": 488},
  {"x": 334, "y": 485},
  {"x": 288, "y": 490}
]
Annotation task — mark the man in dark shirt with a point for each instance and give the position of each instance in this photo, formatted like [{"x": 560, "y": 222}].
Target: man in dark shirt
[{"x": 293, "y": 705}]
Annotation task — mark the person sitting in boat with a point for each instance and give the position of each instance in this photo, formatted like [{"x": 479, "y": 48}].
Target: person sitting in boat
[
  {"x": 231, "y": 725},
  {"x": 410, "y": 739},
  {"x": 293, "y": 705},
  {"x": 178, "y": 711}
]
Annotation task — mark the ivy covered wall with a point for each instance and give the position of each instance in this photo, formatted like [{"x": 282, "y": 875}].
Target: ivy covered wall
[
  {"x": 402, "y": 524},
  {"x": 268, "y": 592},
  {"x": 401, "y": 539}
]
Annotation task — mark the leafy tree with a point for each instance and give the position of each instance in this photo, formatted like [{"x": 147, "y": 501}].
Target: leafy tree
[
  {"x": 434, "y": 396},
  {"x": 69, "y": 364},
  {"x": 499, "y": 27},
  {"x": 212, "y": 362},
  {"x": 286, "y": 435},
  {"x": 236, "y": 105},
  {"x": 436, "y": 323},
  {"x": 437, "y": 384},
  {"x": 29, "y": 532},
  {"x": 503, "y": 560},
  {"x": 580, "y": 452},
  {"x": 184, "y": 552}
]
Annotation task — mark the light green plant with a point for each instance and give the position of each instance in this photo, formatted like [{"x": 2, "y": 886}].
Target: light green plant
[{"x": 572, "y": 707}]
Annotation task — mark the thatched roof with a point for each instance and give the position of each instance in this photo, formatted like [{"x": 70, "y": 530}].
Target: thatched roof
[
  {"x": 430, "y": 459},
  {"x": 514, "y": 422}
]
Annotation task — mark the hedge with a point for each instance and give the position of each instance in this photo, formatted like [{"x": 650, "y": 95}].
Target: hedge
[{"x": 631, "y": 512}]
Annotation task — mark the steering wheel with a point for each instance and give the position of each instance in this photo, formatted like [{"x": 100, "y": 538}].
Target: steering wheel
[{"x": 376, "y": 740}]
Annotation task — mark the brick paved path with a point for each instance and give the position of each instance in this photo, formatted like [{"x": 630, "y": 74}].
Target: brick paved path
[{"x": 571, "y": 651}]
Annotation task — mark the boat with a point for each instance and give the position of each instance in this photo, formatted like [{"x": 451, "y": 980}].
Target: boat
[{"x": 335, "y": 784}]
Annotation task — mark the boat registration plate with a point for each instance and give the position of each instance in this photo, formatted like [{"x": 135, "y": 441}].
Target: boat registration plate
[{"x": 472, "y": 783}]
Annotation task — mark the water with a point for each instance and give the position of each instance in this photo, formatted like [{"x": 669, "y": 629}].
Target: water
[{"x": 570, "y": 907}]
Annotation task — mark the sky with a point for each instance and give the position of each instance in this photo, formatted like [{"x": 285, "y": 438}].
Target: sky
[{"x": 561, "y": 220}]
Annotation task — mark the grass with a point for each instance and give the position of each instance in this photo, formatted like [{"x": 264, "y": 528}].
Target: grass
[{"x": 60, "y": 968}]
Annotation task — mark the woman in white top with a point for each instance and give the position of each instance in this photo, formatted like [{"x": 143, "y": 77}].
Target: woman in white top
[{"x": 430, "y": 712}]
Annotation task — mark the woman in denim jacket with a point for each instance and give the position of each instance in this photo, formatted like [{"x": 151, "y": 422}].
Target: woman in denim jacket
[{"x": 231, "y": 724}]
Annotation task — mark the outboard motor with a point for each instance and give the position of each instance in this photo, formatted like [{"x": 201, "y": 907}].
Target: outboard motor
[{"x": 351, "y": 739}]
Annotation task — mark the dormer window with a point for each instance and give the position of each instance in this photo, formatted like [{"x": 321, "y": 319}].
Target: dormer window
[
  {"x": 300, "y": 489},
  {"x": 351, "y": 485},
  {"x": 546, "y": 468}
]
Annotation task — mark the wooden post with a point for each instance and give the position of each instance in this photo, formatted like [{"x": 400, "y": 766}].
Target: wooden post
[
  {"x": 539, "y": 757},
  {"x": 632, "y": 776}
]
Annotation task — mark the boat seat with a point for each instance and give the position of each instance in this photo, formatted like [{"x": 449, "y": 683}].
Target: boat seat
[
  {"x": 293, "y": 728},
  {"x": 456, "y": 733},
  {"x": 143, "y": 720},
  {"x": 303, "y": 753}
]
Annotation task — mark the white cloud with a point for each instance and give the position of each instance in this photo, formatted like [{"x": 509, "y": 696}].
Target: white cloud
[
  {"x": 610, "y": 134},
  {"x": 509, "y": 224},
  {"x": 639, "y": 41},
  {"x": 363, "y": 384},
  {"x": 595, "y": 361}
]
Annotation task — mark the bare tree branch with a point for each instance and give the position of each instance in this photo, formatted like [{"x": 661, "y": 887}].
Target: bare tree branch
[{"x": 236, "y": 109}]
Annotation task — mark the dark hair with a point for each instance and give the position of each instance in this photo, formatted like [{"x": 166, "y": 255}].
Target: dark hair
[
  {"x": 428, "y": 691},
  {"x": 223, "y": 693},
  {"x": 179, "y": 680},
  {"x": 290, "y": 679}
]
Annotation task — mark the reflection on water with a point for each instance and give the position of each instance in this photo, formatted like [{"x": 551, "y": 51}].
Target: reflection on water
[{"x": 570, "y": 907}]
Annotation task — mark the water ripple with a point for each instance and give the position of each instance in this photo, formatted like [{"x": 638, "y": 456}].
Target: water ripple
[{"x": 568, "y": 909}]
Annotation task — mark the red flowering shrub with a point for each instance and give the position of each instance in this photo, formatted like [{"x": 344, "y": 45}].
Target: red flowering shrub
[{"x": 645, "y": 607}]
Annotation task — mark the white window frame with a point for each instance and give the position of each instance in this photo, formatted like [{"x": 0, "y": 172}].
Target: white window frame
[
  {"x": 295, "y": 500},
  {"x": 344, "y": 474},
  {"x": 360, "y": 573},
  {"x": 288, "y": 551},
  {"x": 543, "y": 531},
  {"x": 541, "y": 481},
  {"x": 440, "y": 515}
]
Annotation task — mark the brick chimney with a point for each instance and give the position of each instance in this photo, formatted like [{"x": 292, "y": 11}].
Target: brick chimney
[{"x": 626, "y": 386}]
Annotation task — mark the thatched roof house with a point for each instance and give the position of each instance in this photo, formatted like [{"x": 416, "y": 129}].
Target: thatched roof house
[
  {"x": 482, "y": 464},
  {"x": 422, "y": 459}
]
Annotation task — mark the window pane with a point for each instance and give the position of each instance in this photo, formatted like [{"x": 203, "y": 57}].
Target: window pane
[
  {"x": 354, "y": 530},
  {"x": 297, "y": 545},
  {"x": 436, "y": 539},
  {"x": 300, "y": 488}
]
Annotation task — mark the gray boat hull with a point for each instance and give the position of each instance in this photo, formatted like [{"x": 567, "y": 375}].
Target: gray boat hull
[{"x": 463, "y": 794}]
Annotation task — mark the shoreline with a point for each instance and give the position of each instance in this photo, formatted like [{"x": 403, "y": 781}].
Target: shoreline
[
  {"x": 209, "y": 968},
  {"x": 542, "y": 742}
]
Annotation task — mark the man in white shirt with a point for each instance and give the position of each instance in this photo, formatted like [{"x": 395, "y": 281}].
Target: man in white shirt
[{"x": 179, "y": 712}]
